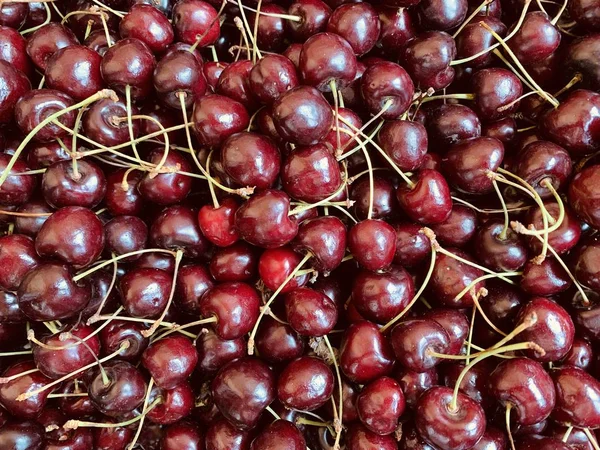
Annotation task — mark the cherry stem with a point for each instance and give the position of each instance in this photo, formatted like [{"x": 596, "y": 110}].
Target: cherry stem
[
  {"x": 502, "y": 235},
  {"x": 265, "y": 308},
  {"x": 528, "y": 322},
  {"x": 240, "y": 26},
  {"x": 124, "y": 346},
  {"x": 486, "y": 354},
  {"x": 24, "y": 352},
  {"x": 449, "y": 96},
  {"x": 507, "y": 418},
  {"x": 526, "y": 187},
  {"x": 306, "y": 207},
  {"x": 401, "y": 314},
  {"x": 22, "y": 214},
  {"x": 339, "y": 421},
  {"x": 106, "y": 7},
  {"x": 576, "y": 79},
  {"x": 150, "y": 331},
  {"x": 262, "y": 13},
  {"x": 490, "y": 211},
  {"x": 471, "y": 325},
  {"x": 176, "y": 328},
  {"x": 211, "y": 188},
  {"x": 471, "y": 17},
  {"x": 565, "y": 437},
  {"x": 482, "y": 278},
  {"x": 591, "y": 438},
  {"x": 334, "y": 93},
  {"x": 492, "y": 47},
  {"x": 80, "y": 394},
  {"x": 18, "y": 375},
  {"x": 104, "y": 93},
  {"x": 107, "y": 294},
  {"x": 361, "y": 143},
  {"x": 560, "y": 12},
  {"x": 256, "y": 23},
  {"x": 130, "y": 124},
  {"x": 273, "y": 413},
  {"x": 485, "y": 317},
  {"x": 143, "y": 415}
]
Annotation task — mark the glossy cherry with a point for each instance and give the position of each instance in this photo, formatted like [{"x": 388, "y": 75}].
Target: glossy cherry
[{"x": 428, "y": 201}]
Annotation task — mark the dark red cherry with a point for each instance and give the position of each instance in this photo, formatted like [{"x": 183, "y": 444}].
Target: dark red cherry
[
  {"x": 36, "y": 106},
  {"x": 397, "y": 28},
  {"x": 577, "y": 397},
  {"x": 48, "y": 293},
  {"x": 458, "y": 229},
  {"x": 313, "y": 15},
  {"x": 505, "y": 130},
  {"x": 474, "y": 39},
  {"x": 585, "y": 13},
  {"x": 23, "y": 435},
  {"x": 380, "y": 404},
  {"x": 428, "y": 201},
  {"x": 526, "y": 386},
  {"x": 474, "y": 383},
  {"x": 275, "y": 265},
  {"x": 264, "y": 220},
  {"x": 414, "y": 340},
  {"x": 573, "y": 124},
  {"x": 14, "y": 50},
  {"x": 117, "y": 332},
  {"x": 311, "y": 173},
  {"x": 63, "y": 186},
  {"x": 451, "y": 277},
  {"x": 125, "y": 391},
  {"x": 272, "y": 76},
  {"x": 171, "y": 186},
  {"x": 452, "y": 123},
  {"x": 148, "y": 24},
  {"x": 218, "y": 224},
  {"x": 450, "y": 426},
  {"x": 411, "y": 439},
  {"x": 427, "y": 58},
  {"x": 179, "y": 73},
  {"x": 222, "y": 435},
  {"x": 196, "y": 21},
  {"x": 309, "y": 312},
  {"x": 30, "y": 226},
  {"x": 365, "y": 354},
  {"x": 305, "y": 384},
  {"x": 381, "y": 296},
  {"x": 214, "y": 352},
  {"x": 170, "y": 360},
  {"x": 43, "y": 43},
  {"x": 468, "y": 163},
  {"x": 13, "y": 14},
  {"x": 43, "y": 154},
  {"x": 413, "y": 384},
  {"x": 145, "y": 292},
  {"x": 302, "y": 115},
  {"x": 543, "y": 160},
  {"x": 75, "y": 70},
  {"x": 497, "y": 251},
  {"x": 238, "y": 262},
  {"x": 545, "y": 279},
  {"x": 372, "y": 242},
  {"x": 234, "y": 83},
  {"x": 235, "y": 306},
  {"x": 357, "y": 23},
  {"x": 125, "y": 234},
  {"x": 495, "y": 89},
  {"x": 577, "y": 439},
  {"x": 386, "y": 83},
  {"x": 279, "y": 435},
  {"x": 182, "y": 436},
  {"x": 360, "y": 437},
  {"x": 564, "y": 238},
  {"x": 412, "y": 247},
  {"x": 581, "y": 58},
  {"x": 580, "y": 355},
  {"x": 123, "y": 198},
  {"x": 586, "y": 263},
  {"x": 177, "y": 228},
  {"x": 17, "y": 257},
  {"x": 17, "y": 84},
  {"x": 384, "y": 198},
  {"x": 584, "y": 195},
  {"x": 456, "y": 325},
  {"x": 442, "y": 15},
  {"x": 251, "y": 159},
  {"x": 242, "y": 390},
  {"x": 325, "y": 238},
  {"x": 17, "y": 189},
  {"x": 99, "y": 42},
  {"x": 277, "y": 342},
  {"x": 175, "y": 403},
  {"x": 9, "y": 308},
  {"x": 129, "y": 62},
  {"x": 405, "y": 142},
  {"x": 536, "y": 39},
  {"x": 9, "y": 391},
  {"x": 58, "y": 363},
  {"x": 192, "y": 282},
  {"x": 217, "y": 117},
  {"x": 73, "y": 234}
]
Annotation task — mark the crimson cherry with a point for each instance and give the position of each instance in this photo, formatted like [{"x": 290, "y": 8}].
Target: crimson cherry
[
  {"x": 117, "y": 332},
  {"x": 427, "y": 57},
  {"x": 325, "y": 238},
  {"x": 380, "y": 404},
  {"x": 564, "y": 238},
  {"x": 451, "y": 276},
  {"x": 217, "y": 117},
  {"x": 9, "y": 391},
  {"x": 17, "y": 257},
  {"x": 536, "y": 39},
  {"x": 279, "y": 435},
  {"x": 405, "y": 142},
  {"x": 428, "y": 201},
  {"x": 497, "y": 251},
  {"x": 278, "y": 342},
  {"x": 387, "y": 84},
  {"x": 547, "y": 278},
  {"x": 309, "y": 312},
  {"x": 372, "y": 243},
  {"x": 442, "y": 15},
  {"x": 63, "y": 186},
  {"x": 170, "y": 360},
  {"x": 272, "y": 76},
  {"x": 145, "y": 292},
  {"x": 182, "y": 436},
  {"x": 43, "y": 43},
  {"x": 179, "y": 73},
  {"x": 222, "y": 435},
  {"x": 358, "y": 23},
  {"x": 360, "y": 438},
  {"x": 305, "y": 384},
  {"x": 577, "y": 397},
  {"x": 37, "y": 105},
  {"x": 196, "y": 21},
  {"x": 458, "y": 229},
  {"x": 167, "y": 187},
  {"x": 148, "y": 24},
  {"x": 275, "y": 265},
  {"x": 497, "y": 92},
  {"x": 413, "y": 342},
  {"x": 14, "y": 50},
  {"x": 452, "y": 123},
  {"x": 313, "y": 14},
  {"x": 75, "y": 70},
  {"x": 584, "y": 195}
]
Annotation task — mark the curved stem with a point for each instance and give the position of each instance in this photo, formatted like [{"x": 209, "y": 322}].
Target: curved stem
[
  {"x": 130, "y": 124},
  {"x": 471, "y": 17},
  {"x": 340, "y": 410},
  {"x": 507, "y": 419},
  {"x": 142, "y": 416},
  {"x": 502, "y": 235}
]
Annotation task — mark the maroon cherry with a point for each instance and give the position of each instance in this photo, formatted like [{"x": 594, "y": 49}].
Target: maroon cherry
[
  {"x": 545, "y": 279},
  {"x": 414, "y": 341},
  {"x": 497, "y": 251},
  {"x": 458, "y": 229},
  {"x": 9, "y": 391},
  {"x": 117, "y": 332},
  {"x": 386, "y": 84},
  {"x": 238, "y": 262},
  {"x": 577, "y": 397},
  {"x": 17, "y": 257},
  {"x": 380, "y": 404},
  {"x": 37, "y": 105},
  {"x": 360, "y": 437},
  {"x": 75, "y": 70},
  {"x": 452, "y": 123},
  {"x": 218, "y": 223},
  {"x": 313, "y": 15},
  {"x": 564, "y": 238},
  {"x": 275, "y": 265},
  {"x": 404, "y": 142},
  {"x": 305, "y": 384},
  {"x": 474, "y": 39},
  {"x": 103, "y": 122},
  {"x": 17, "y": 84},
  {"x": 43, "y": 43},
  {"x": 217, "y": 117},
  {"x": 586, "y": 266},
  {"x": 120, "y": 198},
  {"x": 14, "y": 50},
  {"x": 195, "y": 21},
  {"x": 279, "y": 435},
  {"x": 234, "y": 83},
  {"x": 177, "y": 228},
  {"x": 451, "y": 276},
  {"x": 148, "y": 24},
  {"x": 372, "y": 243},
  {"x": 222, "y": 435},
  {"x": 442, "y": 15},
  {"x": 496, "y": 93},
  {"x": 13, "y": 14},
  {"x": 325, "y": 239},
  {"x": 99, "y": 42},
  {"x": 272, "y": 76},
  {"x": 167, "y": 187},
  {"x": 536, "y": 39},
  {"x": 63, "y": 184},
  {"x": 413, "y": 384},
  {"x": 428, "y": 200},
  {"x": 584, "y": 195},
  {"x": 309, "y": 312},
  {"x": 427, "y": 57},
  {"x": 183, "y": 435},
  {"x": 145, "y": 292},
  {"x": 357, "y": 23},
  {"x": 173, "y": 404},
  {"x": 277, "y": 342},
  {"x": 170, "y": 361},
  {"x": 126, "y": 234}
]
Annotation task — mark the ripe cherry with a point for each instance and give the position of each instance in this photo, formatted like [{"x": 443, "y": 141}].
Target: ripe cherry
[
  {"x": 305, "y": 384},
  {"x": 380, "y": 404},
  {"x": 170, "y": 360},
  {"x": 372, "y": 243},
  {"x": 148, "y": 24},
  {"x": 428, "y": 201},
  {"x": 386, "y": 85}
]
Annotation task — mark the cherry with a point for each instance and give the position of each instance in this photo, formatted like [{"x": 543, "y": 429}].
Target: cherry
[
  {"x": 13, "y": 14},
  {"x": 272, "y": 76},
  {"x": 234, "y": 305},
  {"x": 302, "y": 115},
  {"x": 120, "y": 200},
  {"x": 99, "y": 42},
  {"x": 195, "y": 21},
  {"x": 17, "y": 257},
  {"x": 313, "y": 14},
  {"x": 279, "y": 435},
  {"x": 451, "y": 423},
  {"x": 414, "y": 341},
  {"x": 129, "y": 62},
  {"x": 30, "y": 226},
  {"x": 218, "y": 223},
  {"x": 36, "y": 106},
  {"x": 497, "y": 92},
  {"x": 536, "y": 39},
  {"x": 275, "y": 265},
  {"x": 387, "y": 84},
  {"x": 577, "y": 108},
  {"x": 474, "y": 39},
  {"x": 74, "y": 70},
  {"x": 564, "y": 238},
  {"x": 170, "y": 360},
  {"x": 411, "y": 439},
  {"x": 123, "y": 390},
  {"x": 380, "y": 404},
  {"x": 577, "y": 438},
  {"x": 360, "y": 437},
  {"x": 547, "y": 278},
  {"x": 542, "y": 160},
  {"x": 277, "y": 342},
  {"x": 442, "y": 15},
  {"x": 358, "y": 23},
  {"x": 311, "y": 173},
  {"x": 126, "y": 234},
  {"x": 581, "y": 58},
  {"x": 572, "y": 407},
  {"x": 217, "y": 117},
  {"x": 452, "y": 123},
  {"x": 176, "y": 228},
  {"x": 458, "y": 229},
  {"x": 412, "y": 247},
  {"x": 325, "y": 238},
  {"x": 112, "y": 438},
  {"x": 42, "y": 155},
  {"x": 456, "y": 325},
  {"x": 234, "y": 83},
  {"x": 48, "y": 293},
  {"x": 169, "y": 187},
  {"x": 413, "y": 384},
  {"x": 264, "y": 220},
  {"x": 14, "y": 50},
  {"x": 365, "y": 354},
  {"x": 526, "y": 387},
  {"x": 43, "y": 43},
  {"x": 64, "y": 184},
  {"x": 173, "y": 404},
  {"x": 404, "y": 142},
  {"x": 428, "y": 200},
  {"x": 145, "y": 292},
  {"x": 309, "y": 312},
  {"x": 397, "y": 28},
  {"x": 182, "y": 436},
  {"x": 9, "y": 308},
  {"x": 585, "y": 13},
  {"x": 10, "y": 390},
  {"x": 237, "y": 262},
  {"x": 242, "y": 389},
  {"x": 148, "y": 24},
  {"x": 500, "y": 248},
  {"x": 305, "y": 384},
  {"x": 17, "y": 84},
  {"x": 586, "y": 269},
  {"x": 117, "y": 332},
  {"x": 222, "y": 435},
  {"x": 427, "y": 57},
  {"x": 584, "y": 196},
  {"x": 73, "y": 234},
  {"x": 372, "y": 242},
  {"x": 474, "y": 383}
]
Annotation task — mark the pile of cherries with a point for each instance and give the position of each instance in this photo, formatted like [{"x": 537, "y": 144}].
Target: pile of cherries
[{"x": 300, "y": 224}]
